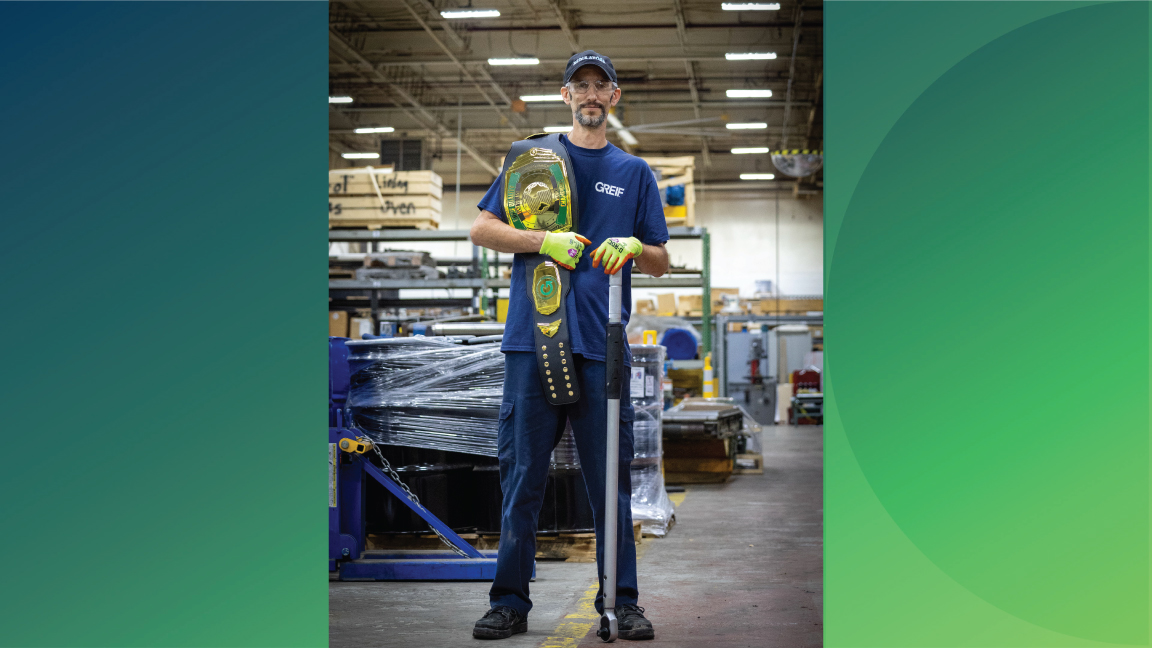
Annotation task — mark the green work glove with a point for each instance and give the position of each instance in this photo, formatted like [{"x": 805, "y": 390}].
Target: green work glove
[
  {"x": 615, "y": 252},
  {"x": 565, "y": 248}
]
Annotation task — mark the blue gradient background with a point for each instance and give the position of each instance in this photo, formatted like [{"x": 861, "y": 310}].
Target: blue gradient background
[
  {"x": 987, "y": 333},
  {"x": 161, "y": 480}
]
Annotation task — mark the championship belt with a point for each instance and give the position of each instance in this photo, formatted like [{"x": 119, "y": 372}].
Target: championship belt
[{"x": 540, "y": 194}]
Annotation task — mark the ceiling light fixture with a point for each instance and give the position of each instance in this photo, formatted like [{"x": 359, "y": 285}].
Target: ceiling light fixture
[
  {"x": 474, "y": 13},
  {"x": 751, "y": 149},
  {"x": 359, "y": 156},
  {"x": 513, "y": 61},
  {"x": 750, "y": 56},
  {"x": 750, "y": 6},
  {"x": 378, "y": 129},
  {"x": 339, "y": 99},
  {"x": 554, "y": 97},
  {"x": 757, "y": 176},
  {"x": 747, "y": 126},
  {"x": 748, "y": 94}
]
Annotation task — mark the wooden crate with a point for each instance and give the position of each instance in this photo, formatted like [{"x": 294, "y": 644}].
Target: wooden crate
[
  {"x": 419, "y": 211},
  {"x": 677, "y": 171},
  {"x": 704, "y": 461},
  {"x": 357, "y": 182},
  {"x": 393, "y": 206}
]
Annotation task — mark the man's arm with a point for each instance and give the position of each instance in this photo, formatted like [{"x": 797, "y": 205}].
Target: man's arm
[
  {"x": 491, "y": 232},
  {"x": 653, "y": 260}
]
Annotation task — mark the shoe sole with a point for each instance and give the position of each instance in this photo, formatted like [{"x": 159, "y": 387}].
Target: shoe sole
[
  {"x": 638, "y": 635},
  {"x": 491, "y": 633}
]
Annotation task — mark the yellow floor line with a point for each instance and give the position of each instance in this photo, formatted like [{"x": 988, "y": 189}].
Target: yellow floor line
[{"x": 575, "y": 626}]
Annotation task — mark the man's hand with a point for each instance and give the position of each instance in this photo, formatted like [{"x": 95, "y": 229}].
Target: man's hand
[
  {"x": 565, "y": 249},
  {"x": 615, "y": 252}
]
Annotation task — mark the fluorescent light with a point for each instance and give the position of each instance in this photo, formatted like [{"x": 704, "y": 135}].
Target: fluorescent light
[
  {"x": 381, "y": 129},
  {"x": 750, "y": 6},
  {"x": 753, "y": 149},
  {"x": 359, "y": 156},
  {"x": 750, "y": 56},
  {"x": 747, "y": 126},
  {"x": 339, "y": 99},
  {"x": 475, "y": 13},
  {"x": 554, "y": 97},
  {"x": 739, "y": 94},
  {"x": 614, "y": 121},
  {"x": 557, "y": 129},
  {"x": 757, "y": 176},
  {"x": 514, "y": 61}
]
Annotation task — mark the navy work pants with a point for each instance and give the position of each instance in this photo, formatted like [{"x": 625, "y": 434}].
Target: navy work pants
[{"x": 529, "y": 429}]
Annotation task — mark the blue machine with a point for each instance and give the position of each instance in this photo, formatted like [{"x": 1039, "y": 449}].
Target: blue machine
[{"x": 348, "y": 469}]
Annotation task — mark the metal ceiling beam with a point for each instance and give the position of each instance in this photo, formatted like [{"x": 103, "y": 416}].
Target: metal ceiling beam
[
  {"x": 562, "y": 19},
  {"x": 444, "y": 26},
  {"x": 617, "y": 60},
  {"x": 690, "y": 68},
  {"x": 728, "y": 105},
  {"x": 813, "y": 25},
  {"x": 421, "y": 116},
  {"x": 465, "y": 72},
  {"x": 812, "y": 112},
  {"x": 792, "y": 72}
]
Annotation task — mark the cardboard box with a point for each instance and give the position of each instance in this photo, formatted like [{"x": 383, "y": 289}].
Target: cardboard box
[
  {"x": 689, "y": 305},
  {"x": 666, "y": 304},
  {"x": 337, "y": 323},
  {"x": 358, "y": 327},
  {"x": 645, "y": 307},
  {"x": 788, "y": 306}
]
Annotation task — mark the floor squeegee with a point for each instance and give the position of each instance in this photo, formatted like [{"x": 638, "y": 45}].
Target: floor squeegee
[{"x": 613, "y": 368}]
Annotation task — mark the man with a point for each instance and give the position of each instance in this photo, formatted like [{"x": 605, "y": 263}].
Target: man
[{"x": 619, "y": 212}]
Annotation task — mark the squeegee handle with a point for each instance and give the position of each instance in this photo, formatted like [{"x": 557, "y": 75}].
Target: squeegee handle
[{"x": 614, "y": 352}]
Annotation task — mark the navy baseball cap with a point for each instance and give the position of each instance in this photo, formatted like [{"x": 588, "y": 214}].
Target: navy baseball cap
[{"x": 588, "y": 57}]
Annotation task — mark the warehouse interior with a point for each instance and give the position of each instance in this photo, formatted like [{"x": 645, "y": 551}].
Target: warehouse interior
[{"x": 724, "y": 103}]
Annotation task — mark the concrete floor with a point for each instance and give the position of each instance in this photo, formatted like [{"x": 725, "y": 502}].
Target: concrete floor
[{"x": 741, "y": 568}]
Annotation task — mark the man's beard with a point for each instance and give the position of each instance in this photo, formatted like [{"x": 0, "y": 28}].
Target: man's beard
[{"x": 589, "y": 121}]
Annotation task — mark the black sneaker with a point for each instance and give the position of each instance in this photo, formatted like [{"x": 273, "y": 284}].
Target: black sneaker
[
  {"x": 631, "y": 623},
  {"x": 503, "y": 622}
]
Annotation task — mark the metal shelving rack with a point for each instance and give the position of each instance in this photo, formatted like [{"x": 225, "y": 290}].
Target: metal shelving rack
[{"x": 411, "y": 236}]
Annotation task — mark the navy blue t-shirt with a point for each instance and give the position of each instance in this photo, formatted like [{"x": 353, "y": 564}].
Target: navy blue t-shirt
[{"x": 617, "y": 196}]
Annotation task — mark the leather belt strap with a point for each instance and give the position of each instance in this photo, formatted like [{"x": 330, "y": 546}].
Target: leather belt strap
[{"x": 550, "y": 332}]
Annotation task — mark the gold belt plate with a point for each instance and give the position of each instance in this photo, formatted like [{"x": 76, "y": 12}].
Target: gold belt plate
[{"x": 537, "y": 195}]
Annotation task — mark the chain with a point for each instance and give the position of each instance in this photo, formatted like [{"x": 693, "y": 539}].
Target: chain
[{"x": 415, "y": 500}]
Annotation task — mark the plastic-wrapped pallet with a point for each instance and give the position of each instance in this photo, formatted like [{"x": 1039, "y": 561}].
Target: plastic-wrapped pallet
[
  {"x": 650, "y": 503},
  {"x": 427, "y": 393}
]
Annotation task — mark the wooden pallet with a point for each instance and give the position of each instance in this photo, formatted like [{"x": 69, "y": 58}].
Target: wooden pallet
[
  {"x": 389, "y": 223},
  {"x": 569, "y": 547}
]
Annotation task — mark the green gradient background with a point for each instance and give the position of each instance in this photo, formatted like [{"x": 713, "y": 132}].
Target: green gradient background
[
  {"x": 161, "y": 475},
  {"x": 987, "y": 239}
]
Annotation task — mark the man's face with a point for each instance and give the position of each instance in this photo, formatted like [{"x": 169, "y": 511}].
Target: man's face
[{"x": 591, "y": 108}]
